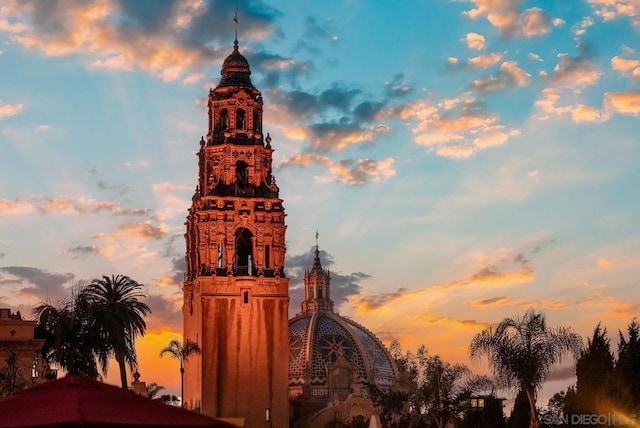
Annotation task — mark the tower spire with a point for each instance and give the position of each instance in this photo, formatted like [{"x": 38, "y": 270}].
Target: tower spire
[{"x": 235, "y": 19}]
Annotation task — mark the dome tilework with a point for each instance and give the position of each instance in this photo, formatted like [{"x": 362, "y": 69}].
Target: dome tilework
[
  {"x": 333, "y": 336},
  {"x": 375, "y": 354},
  {"x": 297, "y": 350}
]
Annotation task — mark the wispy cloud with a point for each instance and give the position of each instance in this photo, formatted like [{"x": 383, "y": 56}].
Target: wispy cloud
[
  {"x": 456, "y": 127},
  {"x": 355, "y": 172},
  {"x": 509, "y": 21},
  {"x": 34, "y": 204},
  {"x": 509, "y": 75},
  {"x": 8, "y": 110},
  {"x": 627, "y": 103},
  {"x": 502, "y": 301},
  {"x": 171, "y": 40},
  {"x": 36, "y": 283},
  {"x": 612, "y": 9},
  {"x": 475, "y": 41}
]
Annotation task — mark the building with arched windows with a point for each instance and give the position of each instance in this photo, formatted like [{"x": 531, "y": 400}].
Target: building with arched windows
[
  {"x": 235, "y": 292},
  {"x": 332, "y": 359},
  {"x": 254, "y": 360}
]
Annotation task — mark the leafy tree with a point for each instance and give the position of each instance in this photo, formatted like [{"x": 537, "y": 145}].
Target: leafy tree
[
  {"x": 12, "y": 378},
  {"x": 427, "y": 390},
  {"x": 447, "y": 389},
  {"x": 70, "y": 340},
  {"x": 169, "y": 399},
  {"x": 521, "y": 413},
  {"x": 627, "y": 376},
  {"x": 118, "y": 316},
  {"x": 181, "y": 352},
  {"x": 153, "y": 389},
  {"x": 522, "y": 351},
  {"x": 594, "y": 370}
]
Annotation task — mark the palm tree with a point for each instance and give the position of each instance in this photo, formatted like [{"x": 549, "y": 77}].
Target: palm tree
[
  {"x": 70, "y": 341},
  {"x": 522, "y": 352},
  {"x": 181, "y": 352},
  {"x": 118, "y": 317}
]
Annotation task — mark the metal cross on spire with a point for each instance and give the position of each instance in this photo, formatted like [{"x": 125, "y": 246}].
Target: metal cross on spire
[
  {"x": 317, "y": 238},
  {"x": 235, "y": 19}
]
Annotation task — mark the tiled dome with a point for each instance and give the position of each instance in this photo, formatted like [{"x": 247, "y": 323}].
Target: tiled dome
[{"x": 320, "y": 339}]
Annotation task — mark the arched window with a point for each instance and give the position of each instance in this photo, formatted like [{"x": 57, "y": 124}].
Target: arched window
[
  {"x": 320, "y": 292},
  {"x": 240, "y": 119},
  {"x": 256, "y": 121},
  {"x": 341, "y": 378},
  {"x": 243, "y": 259},
  {"x": 224, "y": 119},
  {"x": 242, "y": 175}
]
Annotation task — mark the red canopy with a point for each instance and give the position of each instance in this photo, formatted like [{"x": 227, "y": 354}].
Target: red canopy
[{"x": 80, "y": 401}]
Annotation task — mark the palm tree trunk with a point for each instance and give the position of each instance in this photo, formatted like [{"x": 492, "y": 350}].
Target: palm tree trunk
[
  {"x": 123, "y": 369},
  {"x": 181, "y": 385},
  {"x": 533, "y": 419}
]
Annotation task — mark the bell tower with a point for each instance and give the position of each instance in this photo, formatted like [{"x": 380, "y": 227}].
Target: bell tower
[{"x": 235, "y": 291}]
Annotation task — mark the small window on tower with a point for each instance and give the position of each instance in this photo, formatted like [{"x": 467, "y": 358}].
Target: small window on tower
[
  {"x": 219, "y": 255},
  {"x": 267, "y": 257},
  {"x": 245, "y": 296},
  {"x": 224, "y": 119},
  {"x": 240, "y": 119},
  {"x": 242, "y": 174}
]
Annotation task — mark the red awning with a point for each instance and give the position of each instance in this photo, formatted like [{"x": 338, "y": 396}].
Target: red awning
[{"x": 80, "y": 401}]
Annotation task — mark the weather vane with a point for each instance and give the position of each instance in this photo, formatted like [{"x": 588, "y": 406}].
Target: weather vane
[{"x": 235, "y": 19}]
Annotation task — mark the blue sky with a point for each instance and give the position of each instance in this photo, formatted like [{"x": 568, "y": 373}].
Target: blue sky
[{"x": 462, "y": 160}]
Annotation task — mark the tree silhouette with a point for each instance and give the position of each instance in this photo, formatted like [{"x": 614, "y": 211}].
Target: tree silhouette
[
  {"x": 70, "y": 340},
  {"x": 522, "y": 351},
  {"x": 118, "y": 316},
  {"x": 181, "y": 352}
]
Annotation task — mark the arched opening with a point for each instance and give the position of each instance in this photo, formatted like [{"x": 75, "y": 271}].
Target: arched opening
[
  {"x": 242, "y": 175},
  {"x": 243, "y": 260},
  {"x": 320, "y": 292},
  {"x": 224, "y": 119},
  {"x": 240, "y": 119},
  {"x": 341, "y": 378},
  {"x": 256, "y": 121}
]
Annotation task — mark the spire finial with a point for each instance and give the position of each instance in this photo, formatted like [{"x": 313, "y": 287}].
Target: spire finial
[
  {"x": 235, "y": 19},
  {"x": 317, "y": 238}
]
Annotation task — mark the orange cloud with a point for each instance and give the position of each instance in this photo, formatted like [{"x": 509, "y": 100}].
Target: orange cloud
[
  {"x": 355, "y": 172},
  {"x": 548, "y": 106},
  {"x": 628, "y": 67},
  {"x": 8, "y": 110},
  {"x": 505, "y": 17},
  {"x": 604, "y": 264},
  {"x": 305, "y": 159},
  {"x": 455, "y": 128},
  {"x": 611, "y": 305},
  {"x": 624, "y": 102},
  {"x": 475, "y": 41},
  {"x": 66, "y": 205},
  {"x": 433, "y": 319},
  {"x": 89, "y": 28},
  {"x": 140, "y": 231},
  {"x": 612, "y": 9},
  {"x": 484, "y": 61},
  {"x": 360, "y": 171},
  {"x": 489, "y": 303}
]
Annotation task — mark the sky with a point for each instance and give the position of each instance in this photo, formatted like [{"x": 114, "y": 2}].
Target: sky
[{"x": 462, "y": 160}]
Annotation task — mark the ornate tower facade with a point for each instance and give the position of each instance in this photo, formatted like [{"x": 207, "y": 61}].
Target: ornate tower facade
[{"x": 235, "y": 291}]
